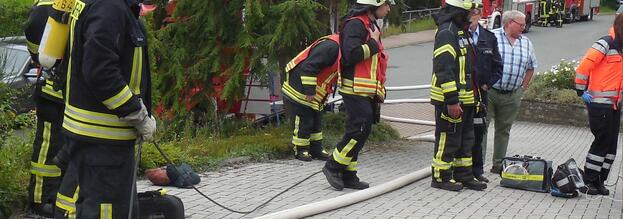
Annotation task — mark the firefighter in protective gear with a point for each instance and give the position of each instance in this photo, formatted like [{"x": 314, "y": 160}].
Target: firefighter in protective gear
[
  {"x": 46, "y": 169},
  {"x": 598, "y": 80},
  {"x": 108, "y": 104},
  {"x": 310, "y": 77},
  {"x": 363, "y": 67},
  {"x": 453, "y": 94}
]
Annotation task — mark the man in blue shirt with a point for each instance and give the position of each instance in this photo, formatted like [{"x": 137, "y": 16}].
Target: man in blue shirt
[
  {"x": 519, "y": 63},
  {"x": 488, "y": 70}
]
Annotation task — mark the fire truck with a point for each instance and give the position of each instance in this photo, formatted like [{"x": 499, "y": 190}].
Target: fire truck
[
  {"x": 582, "y": 10},
  {"x": 492, "y": 11}
]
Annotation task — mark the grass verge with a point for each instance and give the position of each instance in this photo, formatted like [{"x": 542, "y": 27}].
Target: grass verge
[{"x": 411, "y": 27}]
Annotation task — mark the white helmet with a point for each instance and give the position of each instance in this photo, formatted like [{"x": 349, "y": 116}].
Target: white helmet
[
  {"x": 375, "y": 2},
  {"x": 464, "y": 4}
]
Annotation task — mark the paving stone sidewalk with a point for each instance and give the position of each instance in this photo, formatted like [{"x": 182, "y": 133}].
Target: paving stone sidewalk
[{"x": 247, "y": 186}]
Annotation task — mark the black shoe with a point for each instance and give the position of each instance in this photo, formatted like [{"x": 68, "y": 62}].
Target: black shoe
[
  {"x": 320, "y": 154},
  {"x": 359, "y": 185},
  {"x": 496, "y": 169},
  {"x": 450, "y": 185},
  {"x": 44, "y": 210},
  {"x": 481, "y": 178},
  {"x": 590, "y": 189},
  {"x": 334, "y": 177},
  {"x": 474, "y": 185},
  {"x": 602, "y": 188},
  {"x": 302, "y": 154}
]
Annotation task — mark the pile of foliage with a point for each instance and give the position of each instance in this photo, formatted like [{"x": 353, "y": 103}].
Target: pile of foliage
[{"x": 555, "y": 85}]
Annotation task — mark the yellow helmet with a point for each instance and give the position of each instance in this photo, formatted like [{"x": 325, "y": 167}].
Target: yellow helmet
[
  {"x": 464, "y": 4},
  {"x": 375, "y": 2}
]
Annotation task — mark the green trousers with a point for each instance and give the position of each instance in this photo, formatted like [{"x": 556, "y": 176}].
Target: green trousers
[{"x": 503, "y": 109}]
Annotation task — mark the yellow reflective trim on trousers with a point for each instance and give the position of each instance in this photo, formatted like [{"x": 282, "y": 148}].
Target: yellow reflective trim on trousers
[
  {"x": 315, "y": 136},
  {"x": 366, "y": 51},
  {"x": 39, "y": 169},
  {"x": 341, "y": 156},
  {"x": 307, "y": 80},
  {"x": 105, "y": 211},
  {"x": 297, "y": 121},
  {"x": 68, "y": 204},
  {"x": 462, "y": 162},
  {"x": 300, "y": 141},
  {"x": 441, "y": 164},
  {"x": 462, "y": 70},
  {"x": 439, "y": 154},
  {"x": 522, "y": 177},
  {"x": 96, "y": 118},
  {"x": 352, "y": 166},
  {"x": 118, "y": 99},
  {"x": 41, "y": 159},
  {"x": 98, "y": 131},
  {"x": 32, "y": 47},
  {"x": 137, "y": 69},
  {"x": 445, "y": 48}
]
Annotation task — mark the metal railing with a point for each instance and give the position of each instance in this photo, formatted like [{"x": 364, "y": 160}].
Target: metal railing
[
  {"x": 399, "y": 101},
  {"x": 408, "y": 16}
]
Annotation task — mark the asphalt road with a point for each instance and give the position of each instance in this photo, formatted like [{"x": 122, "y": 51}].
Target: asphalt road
[{"x": 412, "y": 65}]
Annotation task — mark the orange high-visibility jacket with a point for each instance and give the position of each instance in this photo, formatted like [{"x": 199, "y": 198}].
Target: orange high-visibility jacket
[
  {"x": 601, "y": 72},
  {"x": 324, "y": 80},
  {"x": 369, "y": 78}
]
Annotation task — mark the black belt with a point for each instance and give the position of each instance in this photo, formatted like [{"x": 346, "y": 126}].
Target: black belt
[{"x": 504, "y": 91}]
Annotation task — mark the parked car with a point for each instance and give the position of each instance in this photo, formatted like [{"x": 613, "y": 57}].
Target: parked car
[
  {"x": 18, "y": 72},
  {"x": 16, "y": 68}
]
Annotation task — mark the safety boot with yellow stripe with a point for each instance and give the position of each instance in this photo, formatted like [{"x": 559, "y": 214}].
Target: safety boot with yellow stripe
[
  {"x": 302, "y": 153},
  {"x": 447, "y": 185}
]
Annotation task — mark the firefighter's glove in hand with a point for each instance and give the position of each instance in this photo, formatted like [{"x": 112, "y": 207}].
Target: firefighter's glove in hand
[
  {"x": 145, "y": 125},
  {"x": 587, "y": 97}
]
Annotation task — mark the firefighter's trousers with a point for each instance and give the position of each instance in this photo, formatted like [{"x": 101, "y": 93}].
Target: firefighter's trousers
[
  {"x": 307, "y": 127},
  {"x": 104, "y": 173},
  {"x": 359, "y": 111},
  {"x": 45, "y": 175},
  {"x": 604, "y": 123},
  {"x": 67, "y": 195},
  {"x": 454, "y": 139},
  {"x": 480, "y": 141}
]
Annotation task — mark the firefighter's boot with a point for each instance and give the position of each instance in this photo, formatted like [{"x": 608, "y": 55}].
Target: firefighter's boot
[
  {"x": 447, "y": 185},
  {"x": 351, "y": 181},
  {"x": 474, "y": 184},
  {"x": 302, "y": 153},
  {"x": 318, "y": 153},
  {"x": 333, "y": 172},
  {"x": 590, "y": 189},
  {"x": 45, "y": 209},
  {"x": 602, "y": 188}
]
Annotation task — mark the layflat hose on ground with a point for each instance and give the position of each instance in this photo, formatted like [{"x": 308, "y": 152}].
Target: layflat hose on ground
[{"x": 350, "y": 198}]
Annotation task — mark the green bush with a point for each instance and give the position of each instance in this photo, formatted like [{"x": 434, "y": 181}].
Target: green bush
[
  {"x": 555, "y": 85},
  {"x": 13, "y": 17},
  {"x": 14, "y": 175}
]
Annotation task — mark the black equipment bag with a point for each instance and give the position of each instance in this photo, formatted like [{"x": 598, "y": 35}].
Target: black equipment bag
[
  {"x": 527, "y": 173},
  {"x": 158, "y": 205}
]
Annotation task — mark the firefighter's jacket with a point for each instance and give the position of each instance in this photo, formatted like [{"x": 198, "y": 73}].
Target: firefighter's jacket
[
  {"x": 452, "y": 60},
  {"x": 108, "y": 71},
  {"x": 313, "y": 72},
  {"x": 33, "y": 32},
  {"x": 364, "y": 62},
  {"x": 601, "y": 72}
]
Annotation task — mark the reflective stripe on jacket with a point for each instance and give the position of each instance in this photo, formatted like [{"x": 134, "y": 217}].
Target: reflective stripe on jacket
[
  {"x": 601, "y": 72},
  {"x": 107, "y": 74},
  {"x": 452, "y": 74},
  {"x": 313, "y": 71},
  {"x": 369, "y": 73}
]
